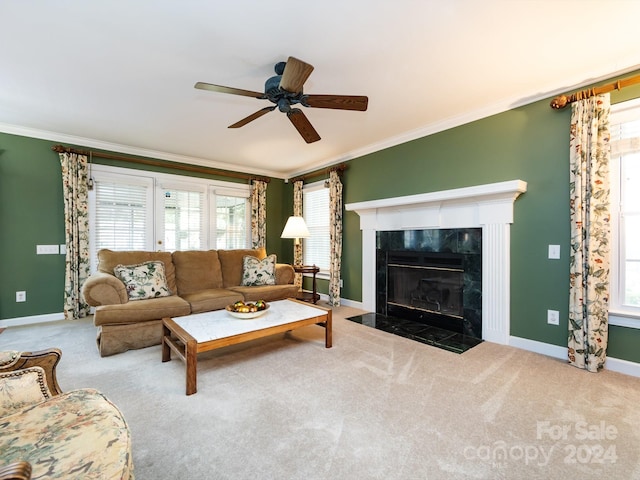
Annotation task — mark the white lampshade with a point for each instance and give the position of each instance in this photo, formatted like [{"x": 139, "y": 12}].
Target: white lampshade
[{"x": 295, "y": 228}]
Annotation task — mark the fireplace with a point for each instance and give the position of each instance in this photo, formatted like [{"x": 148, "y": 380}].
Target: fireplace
[
  {"x": 435, "y": 280},
  {"x": 488, "y": 207}
]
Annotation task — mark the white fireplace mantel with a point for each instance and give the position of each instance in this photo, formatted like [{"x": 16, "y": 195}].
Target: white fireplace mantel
[{"x": 488, "y": 206}]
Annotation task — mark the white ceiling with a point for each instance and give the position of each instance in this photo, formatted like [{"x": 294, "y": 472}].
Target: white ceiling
[{"x": 119, "y": 74}]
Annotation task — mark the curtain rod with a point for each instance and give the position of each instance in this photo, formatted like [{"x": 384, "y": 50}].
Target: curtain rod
[
  {"x": 338, "y": 168},
  {"x": 562, "y": 101},
  {"x": 158, "y": 163}
]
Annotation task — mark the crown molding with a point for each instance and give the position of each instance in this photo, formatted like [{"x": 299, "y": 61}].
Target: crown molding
[{"x": 128, "y": 150}]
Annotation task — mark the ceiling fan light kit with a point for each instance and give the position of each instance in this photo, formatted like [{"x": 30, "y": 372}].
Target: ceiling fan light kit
[{"x": 286, "y": 89}]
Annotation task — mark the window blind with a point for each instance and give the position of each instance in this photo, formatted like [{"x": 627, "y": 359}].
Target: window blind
[
  {"x": 316, "y": 248},
  {"x": 121, "y": 216}
]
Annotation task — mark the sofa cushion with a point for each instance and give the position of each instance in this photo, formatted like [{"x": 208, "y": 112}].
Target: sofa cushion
[
  {"x": 268, "y": 293},
  {"x": 258, "y": 272},
  {"x": 231, "y": 262},
  {"x": 22, "y": 388},
  {"x": 197, "y": 270},
  {"x": 145, "y": 280},
  {"x": 78, "y": 434},
  {"x": 211, "y": 299},
  {"x": 108, "y": 259},
  {"x": 141, "y": 310}
]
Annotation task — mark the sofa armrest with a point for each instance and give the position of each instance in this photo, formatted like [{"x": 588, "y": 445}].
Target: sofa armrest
[
  {"x": 16, "y": 471},
  {"x": 284, "y": 274},
  {"x": 104, "y": 289},
  {"x": 46, "y": 359}
]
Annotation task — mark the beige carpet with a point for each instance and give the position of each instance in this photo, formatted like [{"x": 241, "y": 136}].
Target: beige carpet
[{"x": 375, "y": 406}]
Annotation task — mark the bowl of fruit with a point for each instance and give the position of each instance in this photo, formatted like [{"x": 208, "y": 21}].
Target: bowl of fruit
[{"x": 247, "y": 310}]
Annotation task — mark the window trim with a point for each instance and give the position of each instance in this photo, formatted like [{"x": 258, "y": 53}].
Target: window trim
[{"x": 618, "y": 315}]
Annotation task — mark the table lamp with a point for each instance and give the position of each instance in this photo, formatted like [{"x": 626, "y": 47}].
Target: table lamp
[{"x": 295, "y": 228}]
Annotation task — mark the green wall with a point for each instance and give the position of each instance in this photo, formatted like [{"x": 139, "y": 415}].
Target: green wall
[
  {"x": 31, "y": 213},
  {"x": 529, "y": 143}
]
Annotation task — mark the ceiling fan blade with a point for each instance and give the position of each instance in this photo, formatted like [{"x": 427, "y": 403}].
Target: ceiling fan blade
[
  {"x": 233, "y": 91},
  {"x": 302, "y": 124},
  {"x": 338, "y": 102},
  {"x": 295, "y": 74},
  {"x": 252, "y": 117}
]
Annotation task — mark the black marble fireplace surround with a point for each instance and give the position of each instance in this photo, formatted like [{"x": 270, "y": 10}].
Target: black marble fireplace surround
[{"x": 429, "y": 286}]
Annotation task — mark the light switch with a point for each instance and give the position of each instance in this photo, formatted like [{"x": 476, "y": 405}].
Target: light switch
[
  {"x": 554, "y": 252},
  {"x": 47, "y": 249}
]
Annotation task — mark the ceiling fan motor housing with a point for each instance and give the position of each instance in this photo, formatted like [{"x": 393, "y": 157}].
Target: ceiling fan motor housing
[{"x": 282, "y": 98}]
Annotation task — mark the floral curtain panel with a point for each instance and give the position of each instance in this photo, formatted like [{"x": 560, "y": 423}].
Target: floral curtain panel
[
  {"x": 590, "y": 233},
  {"x": 335, "y": 237},
  {"x": 297, "y": 212},
  {"x": 76, "y": 217},
  {"x": 259, "y": 214}
]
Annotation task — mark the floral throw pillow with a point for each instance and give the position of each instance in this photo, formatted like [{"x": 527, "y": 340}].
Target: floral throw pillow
[
  {"x": 146, "y": 280},
  {"x": 258, "y": 272}
]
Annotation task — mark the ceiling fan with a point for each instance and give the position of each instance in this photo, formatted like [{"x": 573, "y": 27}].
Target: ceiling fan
[{"x": 284, "y": 90}]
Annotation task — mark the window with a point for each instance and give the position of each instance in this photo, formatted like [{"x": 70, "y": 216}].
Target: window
[
  {"x": 232, "y": 221},
  {"x": 183, "y": 219},
  {"x": 315, "y": 204},
  {"x": 625, "y": 213},
  {"x": 137, "y": 210}
]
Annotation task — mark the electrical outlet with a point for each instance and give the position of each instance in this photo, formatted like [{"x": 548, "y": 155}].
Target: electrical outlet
[
  {"x": 553, "y": 317},
  {"x": 21, "y": 296}
]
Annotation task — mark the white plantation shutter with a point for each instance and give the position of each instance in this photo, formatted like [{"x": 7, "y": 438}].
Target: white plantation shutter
[
  {"x": 315, "y": 205},
  {"x": 183, "y": 220},
  {"x": 122, "y": 215},
  {"x": 625, "y": 137}
]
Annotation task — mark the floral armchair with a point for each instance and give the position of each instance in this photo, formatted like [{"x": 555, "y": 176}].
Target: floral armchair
[{"x": 49, "y": 434}]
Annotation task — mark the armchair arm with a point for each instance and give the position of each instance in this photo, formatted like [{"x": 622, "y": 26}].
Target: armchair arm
[
  {"x": 104, "y": 289},
  {"x": 284, "y": 274},
  {"x": 16, "y": 471},
  {"x": 47, "y": 359}
]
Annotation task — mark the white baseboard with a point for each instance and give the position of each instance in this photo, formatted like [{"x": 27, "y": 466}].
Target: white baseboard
[
  {"x": 343, "y": 301},
  {"x": 547, "y": 349},
  {"x": 350, "y": 303},
  {"x": 613, "y": 364},
  {"x": 16, "y": 322}
]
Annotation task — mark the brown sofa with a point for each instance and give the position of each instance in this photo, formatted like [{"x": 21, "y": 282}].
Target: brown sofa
[{"x": 199, "y": 281}]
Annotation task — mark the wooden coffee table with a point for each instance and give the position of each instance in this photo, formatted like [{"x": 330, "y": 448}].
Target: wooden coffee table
[{"x": 189, "y": 335}]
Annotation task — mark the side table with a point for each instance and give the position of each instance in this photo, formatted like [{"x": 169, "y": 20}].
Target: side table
[{"x": 311, "y": 297}]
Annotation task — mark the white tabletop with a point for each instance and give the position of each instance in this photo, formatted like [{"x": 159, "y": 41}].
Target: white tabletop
[{"x": 220, "y": 324}]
